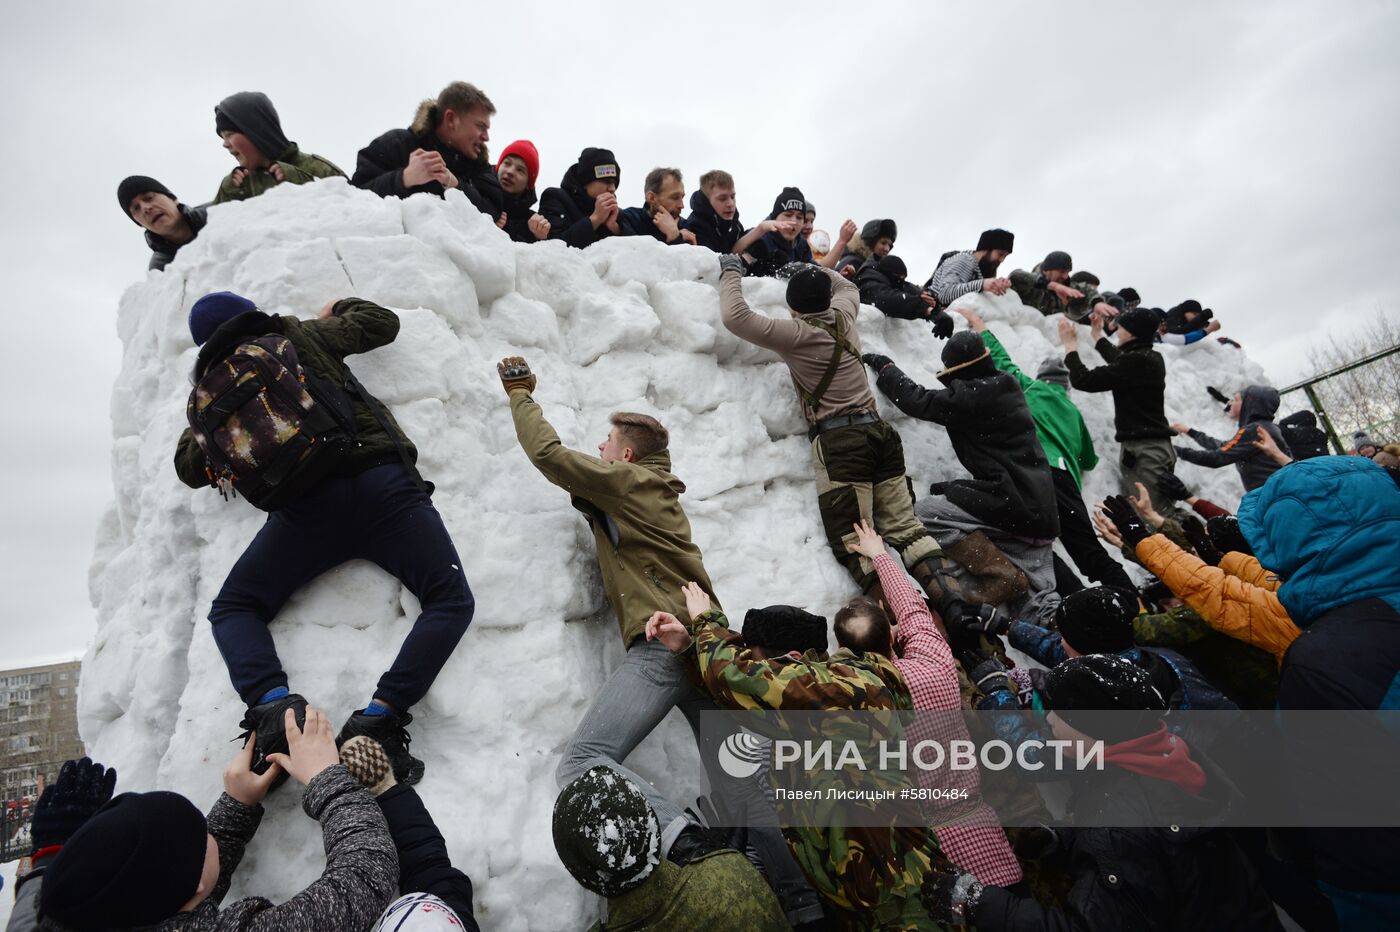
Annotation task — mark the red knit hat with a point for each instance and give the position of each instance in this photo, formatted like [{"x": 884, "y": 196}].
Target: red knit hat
[{"x": 524, "y": 150}]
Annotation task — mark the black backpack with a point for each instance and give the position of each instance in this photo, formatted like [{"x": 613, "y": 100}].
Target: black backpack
[{"x": 270, "y": 428}]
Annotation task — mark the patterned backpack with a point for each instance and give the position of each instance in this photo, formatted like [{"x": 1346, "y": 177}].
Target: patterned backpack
[{"x": 270, "y": 429}]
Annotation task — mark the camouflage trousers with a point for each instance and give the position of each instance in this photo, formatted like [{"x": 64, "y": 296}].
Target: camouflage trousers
[{"x": 860, "y": 474}]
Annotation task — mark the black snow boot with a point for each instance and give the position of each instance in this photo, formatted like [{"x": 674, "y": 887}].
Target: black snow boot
[
  {"x": 269, "y": 722},
  {"x": 391, "y": 731}
]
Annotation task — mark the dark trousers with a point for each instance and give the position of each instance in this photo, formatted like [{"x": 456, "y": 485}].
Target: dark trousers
[
  {"x": 1080, "y": 541},
  {"x": 379, "y": 515}
]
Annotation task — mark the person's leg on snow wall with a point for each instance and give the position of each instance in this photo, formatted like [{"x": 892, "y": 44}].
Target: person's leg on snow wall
[{"x": 1080, "y": 541}]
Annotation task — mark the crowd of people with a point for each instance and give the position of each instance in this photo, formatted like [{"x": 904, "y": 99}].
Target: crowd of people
[{"x": 1292, "y": 603}]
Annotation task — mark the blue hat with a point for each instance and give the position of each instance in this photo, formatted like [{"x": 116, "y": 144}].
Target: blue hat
[{"x": 212, "y": 310}]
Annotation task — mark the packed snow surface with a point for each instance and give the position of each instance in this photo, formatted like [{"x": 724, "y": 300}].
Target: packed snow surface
[{"x": 626, "y": 324}]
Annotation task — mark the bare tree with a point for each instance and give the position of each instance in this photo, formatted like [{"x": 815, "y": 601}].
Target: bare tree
[{"x": 1366, "y": 398}]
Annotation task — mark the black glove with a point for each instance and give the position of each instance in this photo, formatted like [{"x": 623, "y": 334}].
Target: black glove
[
  {"x": 1173, "y": 488},
  {"x": 1035, "y": 843},
  {"x": 984, "y": 619},
  {"x": 82, "y": 788},
  {"x": 986, "y": 672},
  {"x": 1225, "y": 533},
  {"x": 728, "y": 262},
  {"x": 942, "y": 323},
  {"x": 1217, "y": 394},
  {"x": 1200, "y": 541},
  {"x": 950, "y": 897},
  {"x": 876, "y": 361},
  {"x": 1130, "y": 527}
]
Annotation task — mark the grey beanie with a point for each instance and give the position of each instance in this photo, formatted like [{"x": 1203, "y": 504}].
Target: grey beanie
[
  {"x": 1362, "y": 439},
  {"x": 1054, "y": 371}
]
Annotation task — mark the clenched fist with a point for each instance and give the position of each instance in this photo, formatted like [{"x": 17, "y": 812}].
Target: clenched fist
[{"x": 515, "y": 374}]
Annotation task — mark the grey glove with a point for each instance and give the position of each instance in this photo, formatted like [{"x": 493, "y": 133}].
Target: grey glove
[{"x": 728, "y": 262}]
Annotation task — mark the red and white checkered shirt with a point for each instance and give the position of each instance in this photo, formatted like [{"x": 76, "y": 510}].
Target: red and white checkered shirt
[{"x": 974, "y": 842}]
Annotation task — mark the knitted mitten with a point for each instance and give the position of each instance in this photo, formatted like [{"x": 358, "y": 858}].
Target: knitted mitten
[{"x": 367, "y": 763}]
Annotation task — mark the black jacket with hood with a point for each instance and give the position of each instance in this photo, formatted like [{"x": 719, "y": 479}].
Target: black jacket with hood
[
  {"x": 379, "y": 168},
  {"x": 882, "y": 286},
  {"x": 1137, "y": 376},
  {"x": 1188, "y": 875},
  {"x": 711, "y": 230},
  {"x": 993, "y": 436},
  {"x": 162, "y": 250},
  {"x": 1304, "y": 437},
  {"x": 568, "y": 208},
  {"x": 1258, "y": 404}
]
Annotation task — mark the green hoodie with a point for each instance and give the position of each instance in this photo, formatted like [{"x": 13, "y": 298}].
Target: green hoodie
[{"x": 1058, "y": 424}]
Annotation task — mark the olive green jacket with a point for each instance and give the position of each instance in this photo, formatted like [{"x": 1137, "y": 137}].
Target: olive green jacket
[{"x": 297, "y": 168}]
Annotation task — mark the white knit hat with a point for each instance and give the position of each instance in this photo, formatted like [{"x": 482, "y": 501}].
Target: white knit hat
[{"x": 418, "y": 912}]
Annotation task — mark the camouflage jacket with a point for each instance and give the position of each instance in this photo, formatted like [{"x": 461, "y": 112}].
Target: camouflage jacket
[
  {"x": 719, "y": 890},
  {"x": 870, "y": 873},
  {"x": 297, "y": 168},
  {"x": 1035, "y": 292},
  {"x": 1245, "y": 673}
]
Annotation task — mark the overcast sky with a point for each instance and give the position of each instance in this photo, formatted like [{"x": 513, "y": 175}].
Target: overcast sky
[{"x": 1243, "y": 154}]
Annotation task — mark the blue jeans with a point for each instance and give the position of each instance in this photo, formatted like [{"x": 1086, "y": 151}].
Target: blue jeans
[
  {"x": 639, "y": 694},
  {"x": 380, "y": 515}
]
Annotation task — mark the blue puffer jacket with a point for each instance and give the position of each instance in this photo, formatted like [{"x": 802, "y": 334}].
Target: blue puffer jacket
[{"x": 1330, "y": 528}]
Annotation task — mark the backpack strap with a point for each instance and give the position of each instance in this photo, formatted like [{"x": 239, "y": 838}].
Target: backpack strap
[
  {"x": 839, "y": 345},
  {"x": 381, "y": 414}
]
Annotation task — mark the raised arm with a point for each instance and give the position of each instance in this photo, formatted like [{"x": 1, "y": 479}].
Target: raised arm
[
  {"x": 355, "y": 326},
  {"x": 928, "y": 404},
  {"x": 741, "y": 320},
  {"x": 579, "y": 474},
  {"x": 951, "y": 280}
]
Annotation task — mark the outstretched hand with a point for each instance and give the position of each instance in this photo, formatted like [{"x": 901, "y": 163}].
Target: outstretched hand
[
  {"x": 1142, "y": 501},
  {"x": 239, "y": 780},
  {"x": 1130, "y": 527},
  {"x": 1107, "y": 530},
  {"x": 670, "y": 631},
  {"x": 876, "y": 361},
  {"x": 1069, "y": 335},
  {"x": 867, "y": 543},
  {"x": 1205, "y": 548},
  {"x": 697, "y": 600},
  {"x": 311, "y": 749},
  {"x": 728, "y": 262},
  {"x": 83, "y": 786},
  {"x": 515, "y": 374}
]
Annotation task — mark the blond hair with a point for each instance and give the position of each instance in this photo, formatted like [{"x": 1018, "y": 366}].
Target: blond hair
[{"x": 716, "y": 179}]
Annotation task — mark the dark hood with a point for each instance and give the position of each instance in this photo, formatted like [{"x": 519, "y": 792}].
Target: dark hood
[
  {"x": 1299, "y": 419},
  {"x": 252, "y": 112},
  {"x": 1258, "y": 403}
]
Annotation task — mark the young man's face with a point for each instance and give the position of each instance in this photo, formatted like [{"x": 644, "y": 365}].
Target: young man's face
[
  {"x": 809, "y": 221},
  {"x": 794, "y": 217},
  {"x": 242, "y": 149},
  {"x": 467, "y": 132},
  {"x": 615, "y": 448},
  {"x": 598, "y": 186},
  {"x": 513, "y": 175},
  {"x": 722, "y": 203},
  {"x": 1235, "y": 404},
  {"x": 882, "y": 247},
  {"x": 671, "y": 197},
  {"x": 158, "y": 213},
  {"x": 1057, "y": 275}
]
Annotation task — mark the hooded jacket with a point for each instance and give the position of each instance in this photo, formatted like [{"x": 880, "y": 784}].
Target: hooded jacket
[
  {"x": 1304, "y": 437},
  {"x": 355, "y": 326},
  {"x": 1060, "y": 428},
  {"x": 379, "y": 168},
  {"x": 519, "y": 208},
  {"x": 806, "y": 349},
  {"x": 1137, "y": 376},
  {"x": 1185, "y": 877},
  {"x": 891, "y": 296},
  {"x": 993, "y": 436},
  {"x": 772, "y": 251},
  {"x": 1033, "y": 288},
  {"x": 1330, "y": 527},
  {"x": 1258, "y": 404},
  {"x": 568, "y": 208},
  {"x": 645, "y": 551},
  {"x": 252, "y": 112},
  {"x": 163, "y": 250},
  {"x": 711, "y": 230}
]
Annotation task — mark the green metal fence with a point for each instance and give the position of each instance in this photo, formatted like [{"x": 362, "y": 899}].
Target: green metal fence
[{"x": 1309, "y": 388}]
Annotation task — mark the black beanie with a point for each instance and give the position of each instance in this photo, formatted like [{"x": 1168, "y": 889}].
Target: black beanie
[
  {"x": 1097, "y": 620},
  {"x": 1084, "y": 276},
  {"x": 605, "y": 832},
  {"x": 1057, "y": 261},
  {"x": 809, "y": 291},
  {"x": 995, "y": 239},
  {"x": 598, "y": 165},
  {"x": 133, "y": 185},
  {"x": 893, "y": 267},
  {"x": 1130, "y": 295},
  {"x": 1141, "y": 322},
  {"x": 784, "y": 628},
  {"x": 790, "y": 199},
  {"x": 1082, "y": 691},
  {"x": 134, "y": 863},
  {"x": 965, "y": 356},
  {"x": 1224, "y": 531}
]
